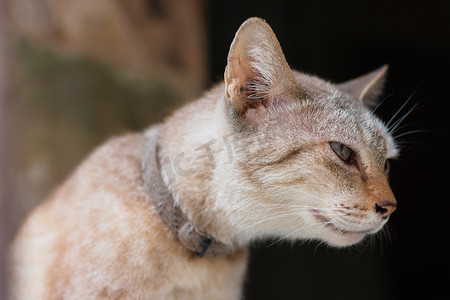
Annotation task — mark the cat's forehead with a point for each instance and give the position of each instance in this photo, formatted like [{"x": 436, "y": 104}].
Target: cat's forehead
[
  {"x": 328, "y": 114},
  {"x": 313, "y": 84}
]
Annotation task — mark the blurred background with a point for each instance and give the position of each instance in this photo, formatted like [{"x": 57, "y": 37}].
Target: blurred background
[{"x": 74, "y": 73}]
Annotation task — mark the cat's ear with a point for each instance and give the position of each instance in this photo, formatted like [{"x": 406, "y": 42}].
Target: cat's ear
[
  {"x": 366, "y": 88},
  {"x": 257, "y": 74}
]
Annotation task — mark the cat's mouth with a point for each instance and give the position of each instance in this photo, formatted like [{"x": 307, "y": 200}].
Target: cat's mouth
[{"x": 328, "y": 224}]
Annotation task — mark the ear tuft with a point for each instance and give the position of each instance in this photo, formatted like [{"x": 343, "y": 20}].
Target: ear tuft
[{"x": 366, "y": 88}]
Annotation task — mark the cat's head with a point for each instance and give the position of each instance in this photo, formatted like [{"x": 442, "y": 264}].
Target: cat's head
[{"x": 314, "y": 158}]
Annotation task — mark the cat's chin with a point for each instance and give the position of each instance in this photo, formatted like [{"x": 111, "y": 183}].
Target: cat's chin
[
  {"x": 339, "y": 237},
  {"x": 343, "y": 238}
]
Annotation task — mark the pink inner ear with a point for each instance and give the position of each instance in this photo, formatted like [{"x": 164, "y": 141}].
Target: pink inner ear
[
  {"x": 258, "y": 98},
  {"x": 247, "y": 90},
  {"x": 257, "y": 76}
]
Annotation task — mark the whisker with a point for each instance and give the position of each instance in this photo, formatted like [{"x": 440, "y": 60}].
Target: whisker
[
  {"x": 381, "y": 102},
  {"x": 273, "y": 205},
  {"x": 311, "y": 195},
  {"x": 318, "y": 245},
  {"x": 295, "y": 231},
  {"x": 283, "y": 214},
  {"x": 406, "y": 125},
  {"x": 293, "y": 206},
  {"x": 411, "y": 132},
  {"x": 404, "y": 104},
  {"x": 405, "y": 143},
  {"x": 290, "y": 205},
  {"x": 400, "y": 120}
]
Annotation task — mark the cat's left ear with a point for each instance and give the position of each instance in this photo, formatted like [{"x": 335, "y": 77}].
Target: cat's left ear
[
  {"x": 257, "y": 76},
  {"x": 366, "y": 88}
]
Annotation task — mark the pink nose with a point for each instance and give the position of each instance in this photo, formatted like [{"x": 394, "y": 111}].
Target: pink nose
[{"x": 385, "y": 208}]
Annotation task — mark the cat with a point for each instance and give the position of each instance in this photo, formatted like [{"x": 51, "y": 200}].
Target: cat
[{"x": 170, "y": 213}]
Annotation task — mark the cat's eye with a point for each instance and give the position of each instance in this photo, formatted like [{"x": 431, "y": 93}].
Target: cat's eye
[{"x": 344, "y": 152}]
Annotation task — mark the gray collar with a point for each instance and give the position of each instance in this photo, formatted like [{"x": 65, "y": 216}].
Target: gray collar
[{"x": 197, "y": 241}]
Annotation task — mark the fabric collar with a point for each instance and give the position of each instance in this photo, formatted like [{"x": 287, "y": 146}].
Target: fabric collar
[{"x": 199, "y": 242}]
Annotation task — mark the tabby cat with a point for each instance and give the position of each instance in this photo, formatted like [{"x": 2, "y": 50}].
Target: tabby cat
[{"x": 169, "y": 213}]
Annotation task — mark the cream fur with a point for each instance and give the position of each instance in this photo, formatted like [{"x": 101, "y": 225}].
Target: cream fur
[{"x": 270, "y": 173}]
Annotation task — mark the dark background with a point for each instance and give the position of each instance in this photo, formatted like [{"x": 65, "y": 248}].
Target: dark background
[{"x": 338, "y": 40}]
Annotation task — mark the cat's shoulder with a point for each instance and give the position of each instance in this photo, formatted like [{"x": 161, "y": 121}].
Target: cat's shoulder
[{"x": 109, "y": 179}]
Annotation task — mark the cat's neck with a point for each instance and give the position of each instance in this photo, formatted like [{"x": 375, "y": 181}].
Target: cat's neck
[{"x": 193, "y": 143}]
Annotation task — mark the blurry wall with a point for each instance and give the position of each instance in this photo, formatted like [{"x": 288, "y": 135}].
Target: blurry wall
[
  {"x": 82, "y": 71},
  {"x": 5, "y": 231}
]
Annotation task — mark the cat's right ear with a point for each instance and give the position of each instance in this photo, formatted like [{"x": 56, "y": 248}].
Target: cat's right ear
[
  {"x": 257, "y": 74},
  {"x": 367, "y": 88}
]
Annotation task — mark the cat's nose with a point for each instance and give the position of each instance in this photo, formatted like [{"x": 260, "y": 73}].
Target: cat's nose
[{"x": 385, "y": 208}]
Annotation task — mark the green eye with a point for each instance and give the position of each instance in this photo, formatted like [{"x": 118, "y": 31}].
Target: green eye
[{"x": 344, "y": 152}]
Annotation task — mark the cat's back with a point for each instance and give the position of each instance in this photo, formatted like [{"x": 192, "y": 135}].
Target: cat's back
[{"x": 98, "y": 223}]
